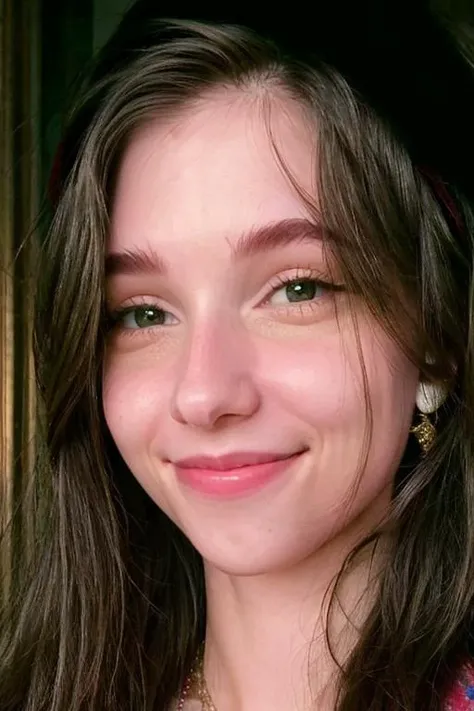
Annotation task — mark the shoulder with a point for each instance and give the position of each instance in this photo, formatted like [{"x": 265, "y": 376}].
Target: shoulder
[{"x": 461, "y": 695}]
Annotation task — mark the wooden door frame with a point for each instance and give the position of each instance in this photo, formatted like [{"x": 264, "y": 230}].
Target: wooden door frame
[{"x": 19, "y": 195}]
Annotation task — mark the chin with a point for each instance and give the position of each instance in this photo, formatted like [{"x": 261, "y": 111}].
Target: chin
[{"x": 251, "y": 560}]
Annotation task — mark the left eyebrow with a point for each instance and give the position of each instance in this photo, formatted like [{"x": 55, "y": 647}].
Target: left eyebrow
[{"x": 277, "y": 234}]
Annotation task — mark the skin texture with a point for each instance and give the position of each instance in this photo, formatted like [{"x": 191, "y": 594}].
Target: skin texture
[{"x": 237, "y": 366}]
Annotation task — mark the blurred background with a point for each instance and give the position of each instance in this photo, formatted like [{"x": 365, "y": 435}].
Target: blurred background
[{"x": 44, "y": 45}]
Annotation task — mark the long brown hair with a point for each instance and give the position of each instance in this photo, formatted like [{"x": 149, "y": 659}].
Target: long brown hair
[{"x": 106, "y": 606}]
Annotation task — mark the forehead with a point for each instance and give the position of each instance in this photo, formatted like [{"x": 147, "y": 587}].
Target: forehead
[{"x": 213, "y": 172}]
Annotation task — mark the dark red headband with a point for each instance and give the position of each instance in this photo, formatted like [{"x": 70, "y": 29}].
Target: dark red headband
[{"x": 445, "y": 200}]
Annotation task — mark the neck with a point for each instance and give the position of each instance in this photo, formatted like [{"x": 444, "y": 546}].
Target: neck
[{"x": 266, "y": 644}]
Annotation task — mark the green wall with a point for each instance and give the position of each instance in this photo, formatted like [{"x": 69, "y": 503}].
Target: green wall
[
  {"x": 71, "y": 31},
  {"x": 107, "y": 14},
  {"x": 66, "y": 47}
]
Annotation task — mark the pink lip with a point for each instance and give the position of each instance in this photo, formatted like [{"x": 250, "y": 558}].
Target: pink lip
[{"x": 232, "y": 474}]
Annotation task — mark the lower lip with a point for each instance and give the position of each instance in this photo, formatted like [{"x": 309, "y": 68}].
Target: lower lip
[{"x": 234, "y": 482}]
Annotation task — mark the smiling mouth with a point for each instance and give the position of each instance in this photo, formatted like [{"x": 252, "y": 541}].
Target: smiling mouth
[{"x": 233, "y": 474}]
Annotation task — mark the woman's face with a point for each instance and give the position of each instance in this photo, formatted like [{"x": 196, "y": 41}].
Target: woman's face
[{"x": 220, "y": 362}]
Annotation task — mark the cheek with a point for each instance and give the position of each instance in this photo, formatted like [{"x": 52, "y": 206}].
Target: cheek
[
  {"x": 308, "y": 379},
  {"x": 134, "y": 391},
  {"x": 326, "y": 382},
  {"x": 338, "y": 396}
]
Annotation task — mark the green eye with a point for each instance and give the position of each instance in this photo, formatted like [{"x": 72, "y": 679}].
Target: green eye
[
  {"x": 147, "y": 316},
  {"x": 302, "y": 290},
  {"x": 296, "y": 291},
  {"x": 140, "y": 317}
]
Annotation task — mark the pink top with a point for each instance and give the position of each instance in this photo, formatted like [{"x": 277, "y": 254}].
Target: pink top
[{"x": 461, "y": 697}]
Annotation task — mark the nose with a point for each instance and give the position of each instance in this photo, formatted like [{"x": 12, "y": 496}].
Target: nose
[{"x": 215, "y": 378}]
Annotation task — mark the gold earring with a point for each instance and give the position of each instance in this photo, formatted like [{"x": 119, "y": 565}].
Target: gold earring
[
  {"x": 425, "y": 432},
  {"x": 429, "y": 397}
]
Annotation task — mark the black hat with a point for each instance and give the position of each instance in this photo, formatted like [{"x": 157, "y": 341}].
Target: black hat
[{"x": 395, "y": 54}]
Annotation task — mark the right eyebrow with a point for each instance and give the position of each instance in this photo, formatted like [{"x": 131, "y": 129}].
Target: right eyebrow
[{"x": 134, "y": 261}]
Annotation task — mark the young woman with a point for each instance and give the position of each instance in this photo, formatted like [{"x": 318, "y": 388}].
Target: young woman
[{"x": 255, "y": 357}]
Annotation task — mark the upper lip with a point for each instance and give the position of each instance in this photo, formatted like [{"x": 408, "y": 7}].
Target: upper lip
[{"x": 234, "y": 460}]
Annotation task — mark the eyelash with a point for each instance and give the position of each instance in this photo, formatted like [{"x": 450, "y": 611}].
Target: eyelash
[{"x": 278, "y": 283}]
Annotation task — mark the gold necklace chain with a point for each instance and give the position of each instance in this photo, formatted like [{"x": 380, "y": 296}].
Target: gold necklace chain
[
  {"x": 196, "y": 684},
  {"x": 202, "y": 688}
]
